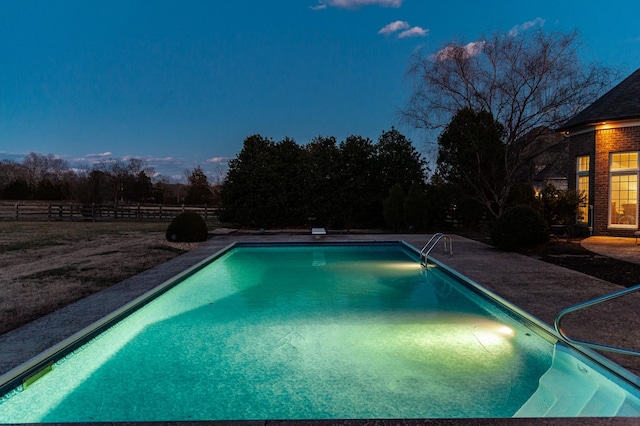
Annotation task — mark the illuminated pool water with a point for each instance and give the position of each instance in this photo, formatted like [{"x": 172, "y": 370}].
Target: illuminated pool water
[{"x": 315, "y": 332}]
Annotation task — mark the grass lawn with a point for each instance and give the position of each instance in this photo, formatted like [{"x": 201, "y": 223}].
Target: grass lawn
[{"x": 47, "y": 265}]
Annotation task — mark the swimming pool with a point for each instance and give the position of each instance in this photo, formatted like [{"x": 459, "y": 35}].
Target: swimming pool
[{"x": 315, "y": 332}]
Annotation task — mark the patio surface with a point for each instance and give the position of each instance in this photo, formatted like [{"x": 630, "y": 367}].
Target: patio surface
[
  {"x": 617, "y": 247},
  {"x": 537, "y": 287}
]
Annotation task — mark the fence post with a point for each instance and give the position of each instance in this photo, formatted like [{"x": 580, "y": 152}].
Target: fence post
[
  {"x": 182, "y": 207},
  {"x": 17, "y": 213},
  {"x": 205, "y": 212},
  {"x": 49, "y": 212}
]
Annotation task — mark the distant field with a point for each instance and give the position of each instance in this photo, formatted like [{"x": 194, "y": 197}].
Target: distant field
[{"x": 47, "y": 265}]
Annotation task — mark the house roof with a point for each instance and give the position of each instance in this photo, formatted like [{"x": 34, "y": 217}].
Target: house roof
[{"x": 620, "y": 103}]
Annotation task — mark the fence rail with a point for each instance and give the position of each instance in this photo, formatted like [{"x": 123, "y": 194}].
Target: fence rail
[{"x": 32, "y": 212}]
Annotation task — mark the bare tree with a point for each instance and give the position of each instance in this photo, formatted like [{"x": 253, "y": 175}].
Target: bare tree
[
  {"x": 40, "y": 167},
  {"x": 124, "y": 176},
  {"x": 10, "y": 171},
  {"x": 530, "y": 82},
  {"x": 115, "y": 171}
]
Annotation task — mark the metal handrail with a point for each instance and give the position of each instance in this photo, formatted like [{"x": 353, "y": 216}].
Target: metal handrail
[
  {"x": 562, "y": 313},
  {"x": 435, "y": 238}
]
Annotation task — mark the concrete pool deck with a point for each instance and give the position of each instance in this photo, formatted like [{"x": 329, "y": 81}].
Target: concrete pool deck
[{"x": 539, "y": 288}]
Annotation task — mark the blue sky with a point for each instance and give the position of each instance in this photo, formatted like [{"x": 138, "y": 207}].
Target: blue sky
[{"x": 183, "y": 83}]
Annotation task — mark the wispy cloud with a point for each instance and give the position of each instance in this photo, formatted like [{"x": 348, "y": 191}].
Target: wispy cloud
[
  {"x": 474, "y": 48},
  {"x": 466, "y": 51},
  {"x": 354, "y": 4},
  {"x": 217, "y": 160},
  {"x": 413, "y": 32},
  {"x": 396, "y": 26},
  {"x": 538, "y": 22},
  {"x": 162, "y": 159},
  {"x": 393, "y": 27},
  {"x": 101, "y": 155}
]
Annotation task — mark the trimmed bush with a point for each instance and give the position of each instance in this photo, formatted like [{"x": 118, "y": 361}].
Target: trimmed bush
[
  {"x": 519, "y": 227},
  {"x": 187, "y": 227}
]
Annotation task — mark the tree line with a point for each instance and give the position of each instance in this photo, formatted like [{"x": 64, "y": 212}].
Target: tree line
[
  {"x": 326, "y": 183},
  {"x": 111, "y": 181}
]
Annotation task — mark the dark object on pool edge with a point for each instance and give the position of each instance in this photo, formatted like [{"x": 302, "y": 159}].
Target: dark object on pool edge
[{"x": 187, "y": 227}]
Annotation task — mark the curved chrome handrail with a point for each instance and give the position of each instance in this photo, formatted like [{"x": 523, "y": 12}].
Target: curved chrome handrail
[
  {"x": 562, "y": 313},
  {"x": 435, "y": 238}
]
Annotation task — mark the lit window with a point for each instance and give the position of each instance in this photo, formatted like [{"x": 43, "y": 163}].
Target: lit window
[
  {"x": 623, "y": 188},
  {"x": 624, "y": 161},
  {"x": 583, "y": 164},
  {"x": 582, "y": 181},
  {"x": 583, "y": 208}
]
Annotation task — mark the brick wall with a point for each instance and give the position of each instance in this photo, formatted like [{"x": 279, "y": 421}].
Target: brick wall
[{"x": 605, "y": 142}]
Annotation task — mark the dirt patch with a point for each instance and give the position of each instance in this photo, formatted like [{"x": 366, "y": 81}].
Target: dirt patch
[{"x": 46, "y": 266}]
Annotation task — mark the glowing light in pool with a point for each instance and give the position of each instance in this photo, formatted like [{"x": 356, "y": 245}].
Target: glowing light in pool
[
  {"x": 467, "y": 344},
  {"x": 378, "y": 268},
  {"x": 400, "y": 266},
  {"x": 506, "y": 331}
]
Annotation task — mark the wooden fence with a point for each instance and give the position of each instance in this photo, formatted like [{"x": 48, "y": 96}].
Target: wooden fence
[{"x": 34, "y": 211}]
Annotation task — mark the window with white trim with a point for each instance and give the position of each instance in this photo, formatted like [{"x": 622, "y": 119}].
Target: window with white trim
[
  {"x": 623, "y": 190},
  {"x": 582, "y": 183}
]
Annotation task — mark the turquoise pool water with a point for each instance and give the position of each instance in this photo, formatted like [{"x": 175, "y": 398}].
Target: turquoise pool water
[{"x": 311, "y": 332}]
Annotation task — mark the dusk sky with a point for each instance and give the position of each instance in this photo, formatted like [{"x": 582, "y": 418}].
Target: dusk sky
[{"x": 183, "y": 83}]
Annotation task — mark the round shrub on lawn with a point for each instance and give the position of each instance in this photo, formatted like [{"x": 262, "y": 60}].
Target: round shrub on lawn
[
  {"x": 187, "y": 227},
  {"x": 519, "y": 227}
]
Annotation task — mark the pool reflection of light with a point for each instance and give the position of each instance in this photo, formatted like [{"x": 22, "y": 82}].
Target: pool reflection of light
[
  {"x": 465, "y": 334},
  {"x": 401, "y": 266},
  {"x": 506, "y": 331},
  {"x": 392, "y": 268}
]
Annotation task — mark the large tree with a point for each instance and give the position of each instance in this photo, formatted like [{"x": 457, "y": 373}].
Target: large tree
[
  {"x": 530, "y": 82},
  {"x": 399, "y": 162},
  {"x": 471, "y": 158},
  {"x": 249, "y": 193}
]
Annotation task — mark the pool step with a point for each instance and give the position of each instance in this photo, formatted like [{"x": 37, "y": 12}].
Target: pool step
[{"x": 570, "y": 388}]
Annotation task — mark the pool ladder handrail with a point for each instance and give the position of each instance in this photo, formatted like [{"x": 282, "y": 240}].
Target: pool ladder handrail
[
  {"x": 591, "y": 302},
  {"x": 433, "y": 241}
]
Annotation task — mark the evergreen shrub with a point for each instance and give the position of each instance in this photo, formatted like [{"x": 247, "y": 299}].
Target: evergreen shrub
[
  {"x": 519, "y": 227},
  {"x": 187, "y": 227}
]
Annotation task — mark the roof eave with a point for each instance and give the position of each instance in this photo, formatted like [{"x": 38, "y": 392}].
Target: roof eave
[{"x": 600, "y": 124}]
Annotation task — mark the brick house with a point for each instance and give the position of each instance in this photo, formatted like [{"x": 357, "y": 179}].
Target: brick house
[{"x": 604, "y": 158}]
